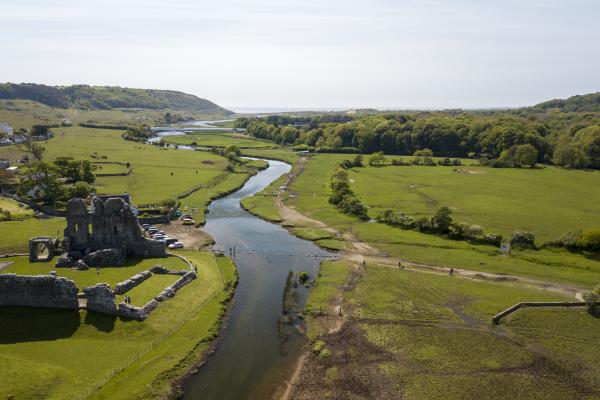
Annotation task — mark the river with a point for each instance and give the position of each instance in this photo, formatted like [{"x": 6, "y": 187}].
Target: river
[{"x": 252, "y": 360}]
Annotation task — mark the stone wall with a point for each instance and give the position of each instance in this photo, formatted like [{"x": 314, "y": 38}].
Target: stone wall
[
  {"x": 137, "y": 313},
  {"x": 125, "y": 286},
  {"x": 100, "y": 298},
  {"x": 38, "y": 291}
]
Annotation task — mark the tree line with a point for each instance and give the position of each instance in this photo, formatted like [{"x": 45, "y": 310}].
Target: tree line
[{"x": 525, "y": 138}]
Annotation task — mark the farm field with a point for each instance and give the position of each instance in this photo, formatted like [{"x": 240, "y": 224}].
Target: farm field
[
  {"x": 209, "y": 139},
  {"x": 158, "y": 174},
  {"x": 312, "y": 193},
  {"x": 547, "y": 201},
  {"x": 426, "y": 336},
  {"x": 44, "y": 351}
]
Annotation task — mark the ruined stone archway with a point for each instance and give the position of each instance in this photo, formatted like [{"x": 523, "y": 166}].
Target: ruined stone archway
[{"x": 41, "y": 249}]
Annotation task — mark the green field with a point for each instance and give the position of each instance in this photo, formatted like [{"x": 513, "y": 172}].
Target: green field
[
  {"x": 424, "y": 336},
  {"x": 312, "y": 189},
  {"x": 208, "y": 139},
  {"x": 547, "y": 201},
  {"x": 45, "y": 351},
  {"x": 16, "y": 210}
]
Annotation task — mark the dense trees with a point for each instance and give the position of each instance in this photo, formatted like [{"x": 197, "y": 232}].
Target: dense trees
[
  {"x": 518, "y": 138},
  {"x": 106, "y": 97},
  {"x": 582, "y": 150}
]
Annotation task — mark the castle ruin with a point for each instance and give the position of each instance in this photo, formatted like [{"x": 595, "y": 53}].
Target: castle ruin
[{"x": 104, "y": 235}]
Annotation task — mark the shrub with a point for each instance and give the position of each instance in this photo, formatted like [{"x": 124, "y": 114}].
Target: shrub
[
  {"x": 493, "y": 239},
  {"x": 571, "y": 240},
  {"x": 592, "y": 298},
  {"x": 80, "y": 189},
  {"x": 590, "y": 240},
  {"x": 523, "y": 240}
]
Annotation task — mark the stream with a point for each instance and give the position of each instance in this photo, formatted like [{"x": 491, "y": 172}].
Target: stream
[{"x": 252, "y": 360}]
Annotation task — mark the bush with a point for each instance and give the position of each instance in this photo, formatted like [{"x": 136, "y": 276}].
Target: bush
[
  {"x": 492, "y": 239},
  {"x": 592, "y": 298},
  {"x": 571, "y": 240},
  {"x": 523, "y": 240},
  {"x": 590, "y": 240},
  {"x": 80, "y": 189},
  {"x": 397, "y": 162}
]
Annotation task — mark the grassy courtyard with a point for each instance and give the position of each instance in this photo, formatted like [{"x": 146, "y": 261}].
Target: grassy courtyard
[{"x": 45, "y": 351}]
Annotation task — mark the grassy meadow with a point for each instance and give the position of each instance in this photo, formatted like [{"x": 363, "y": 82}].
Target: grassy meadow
[
  {"x": 424, "y": 336},
  {"x": 208, "y": 139},
  {"x": 547, "y": 201},
  {"x": 45, "y": 352},
  {"x": 312, "y": 192}
]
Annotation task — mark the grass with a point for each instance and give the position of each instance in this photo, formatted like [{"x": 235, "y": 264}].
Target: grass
[
  {"x": 15, "y": 235},
  {"x": 45, "y": 351},
  {"x": 16, "y": 210},
  {"x": 110, "y": 275},
  {"x": 312, "y": 189},
  {"x": 157, "y": 174},
  {"x": 311, "y": 233},
  {"x": 548, "y": 201},
  {"x": 198, "y": 201},
  {"x": 332, "y": 275},
  {"x": 426, "y": 336},
  {"x": 208, "y": 139},
  {"x": 150, "y": 288}
]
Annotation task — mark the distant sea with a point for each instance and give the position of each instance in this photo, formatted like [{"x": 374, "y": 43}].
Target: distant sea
[{"x": 272, "y": 110}]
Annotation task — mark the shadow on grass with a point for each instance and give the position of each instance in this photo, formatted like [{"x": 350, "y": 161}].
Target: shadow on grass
[
  {"x": 102, "y": 322},
  {"x": 24, "y": 324}
]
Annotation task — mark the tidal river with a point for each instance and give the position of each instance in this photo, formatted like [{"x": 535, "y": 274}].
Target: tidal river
[{"x": 252, "y": 360}]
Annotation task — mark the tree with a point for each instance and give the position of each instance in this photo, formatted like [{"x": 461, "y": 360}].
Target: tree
[
  {"x": 442, "y": 220},
  {"x": 377, "y": 158},
  {"x": 358, "y": 160},
  {"x": 45, "y": 180},
  {"x": 525, "y": 154},
  {"x": 35, "y": 149},
  {"x": 80, "y": 189}
]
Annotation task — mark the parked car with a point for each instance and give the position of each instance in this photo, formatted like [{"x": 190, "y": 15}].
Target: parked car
[
  {"x": 177, "y": 245},
  {"x": 177, "y": 213},
  {"x": 189, "y": 222},
  {"x": 170, "y": 240}
]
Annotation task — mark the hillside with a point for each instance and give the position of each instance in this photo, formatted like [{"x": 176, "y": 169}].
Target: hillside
[
  {"x": 84, "y": 97},
  {"x": 581, "y": 103}
]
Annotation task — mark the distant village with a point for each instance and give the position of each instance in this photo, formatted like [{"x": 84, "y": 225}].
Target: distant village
[{"x": 8, "y": 136}]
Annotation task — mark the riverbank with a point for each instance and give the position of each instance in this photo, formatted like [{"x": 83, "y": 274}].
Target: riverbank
[{"x": 349, "y": 315}]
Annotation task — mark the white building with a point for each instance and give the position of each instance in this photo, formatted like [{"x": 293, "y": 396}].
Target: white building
[{"x": 6, "y": 128}]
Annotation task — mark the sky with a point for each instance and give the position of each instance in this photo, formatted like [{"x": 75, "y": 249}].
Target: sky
[{"x": 306, "y": 54}]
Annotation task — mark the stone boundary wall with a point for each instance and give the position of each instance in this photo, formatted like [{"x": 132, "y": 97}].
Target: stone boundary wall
[
  {"x": 141, "y": 313},
  {"x": 44, "y": 291},
  {"x": 129, "y": 169},
  {"x": 496, "y": 318},
  {"x": 127, "y": 285}
]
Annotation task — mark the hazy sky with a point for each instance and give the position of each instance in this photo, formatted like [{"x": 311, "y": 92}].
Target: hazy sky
[{"x": 305, "y": 53}]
